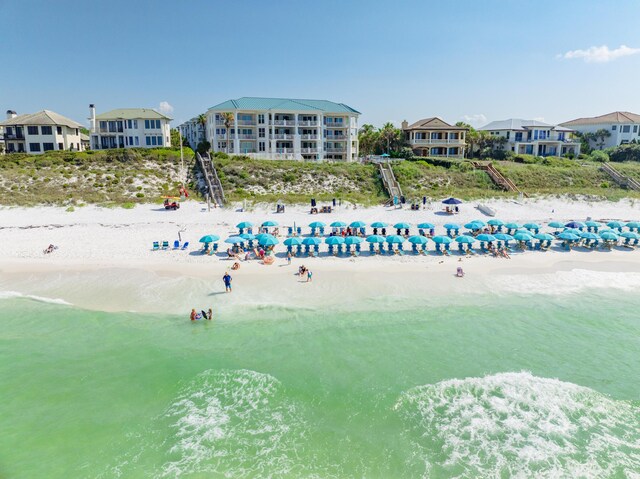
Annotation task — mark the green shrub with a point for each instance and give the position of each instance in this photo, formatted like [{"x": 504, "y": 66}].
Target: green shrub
[
  {"x": 139, "y": 195},
  {"x": 599, "y": 155}
]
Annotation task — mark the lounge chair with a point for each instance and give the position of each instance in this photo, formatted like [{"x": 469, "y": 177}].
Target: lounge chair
[
  {"x": 165, "y": 245},
  {"x": 215, "y": 247},
  {"x": 185, "y": 246},
  {"x": 156, "y": 246},
  {"x": 176, "y": 244}
]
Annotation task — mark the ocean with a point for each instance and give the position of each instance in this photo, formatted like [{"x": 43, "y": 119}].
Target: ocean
[{"x": 487, "y": 385}]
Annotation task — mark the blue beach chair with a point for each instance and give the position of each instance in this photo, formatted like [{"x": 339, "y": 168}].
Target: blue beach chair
[
  {"x": 156, "y": 246},
  {"x": 176, "y": 244},
  {"x": 185, "y": 246}
]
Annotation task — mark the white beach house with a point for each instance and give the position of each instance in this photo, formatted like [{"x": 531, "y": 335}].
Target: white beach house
[
  {"x": 129, "y": 128},
  {"x": 532, "y": 137},
  {"x": 623, "y": 126},
  {"x": 284, "y": 128},
  {"x": 194, "y": 131},
  {"x": 35, "y": 133}
]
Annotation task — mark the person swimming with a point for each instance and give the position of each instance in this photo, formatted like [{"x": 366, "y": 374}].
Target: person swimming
[{"x": 201, "y": 315}]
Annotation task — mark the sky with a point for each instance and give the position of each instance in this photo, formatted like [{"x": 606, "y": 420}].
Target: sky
[{"x": 474, "y": 61}]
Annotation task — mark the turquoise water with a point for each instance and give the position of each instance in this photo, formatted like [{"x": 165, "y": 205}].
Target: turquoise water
[{"x": 524, "y": 385}]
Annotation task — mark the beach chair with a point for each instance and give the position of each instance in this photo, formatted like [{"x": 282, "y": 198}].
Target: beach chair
[
  {"x": 176, "y": 244},
  {"x": 299, "y": 250},
  {"x": 316, "y": 250},
  {"x": 215, "y": 247},
  {"x": 299, "y": 230},
  {"x": 290, "y": 231},
  {"x": 289, "y": 248},
  {"x": 185, "y": 246},
  {"x": 156, "y": 246},
  {"x": 165, "y": 245}
]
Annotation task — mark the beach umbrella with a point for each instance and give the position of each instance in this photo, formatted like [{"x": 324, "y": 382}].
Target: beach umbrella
[
  {"x": 244, "y": 225},
  {"x": 426, "y": 226},
  {"x": 634, "y": 225},
  {"x": 452, "y": 226},
  {"x": 592, "y": 224},
  {"x": 480, "y": 222},
  {"x": 379, "y": 224},
  {"x": 317, "y": 224},
  {"x": 402, "y": 226},
  {"x": 589, "y": 236},
  {"x": 575, "y": 224},
  {"x": 556, "y": 224},
  {"x": 486, "y": 238},
  {"x": 352, "y": 240},
  {"x": 441, "y": 239},
  {"x": 452, "y": 201},
  {"x": 247, "y": 236},
  {"x": 293, "y": 241},
  {"x": 234, "y": 240},
  {"x": 334, "y": 240},
  {"x": 311, "y": 241},
  {"x": 268, "y": 240},
  {"x": 394, "y": 239},
  {"x": 375, "y": 239},
  {"x": 474, "y": 226},
  {"x": 574, "y": 231},
  {"x": 609, "y": 236},
  {"x": 465, "y": 239},
  {"x": 418, "y": 239},
  {"x": 522, "y": 230},
  {"x": 260, "y": 235},
  {"x": 338, "y": 224},
  {"x": 358, "y": 224},
  {"x": 270, "y": 223},
  {"x": 522, "y": 236},
  {"x": 503, "y": 237},
  {"x": 209, "y": 239},
  {"x": 495, "y": 222},
  {"x": 566, "y": 236},
  {"x": 532, "y": 226},
  {"x": 512, "y": 226},
  {"x": 615, "y": 224},
  {"x": 630, "y": 235},
  {"x": 544, "y": 237}
]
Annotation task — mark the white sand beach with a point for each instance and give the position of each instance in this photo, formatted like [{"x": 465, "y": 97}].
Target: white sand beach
[{"x": 104, "y": 257}]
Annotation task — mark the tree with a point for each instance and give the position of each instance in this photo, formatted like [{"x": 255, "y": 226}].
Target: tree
[
  {"x": 368, "y": 138},
  {"x": 585, "y": 138},
  {"x": 203, "y": 147},
  {"x": 600, "y": 137},
  {"x": 388, "y": 134},
  {"x": 228, "y": 120},
  {"x": 175, "y": 137},
  {"x": 471, "y": 138},
  {"x": 202, "y": 121}
]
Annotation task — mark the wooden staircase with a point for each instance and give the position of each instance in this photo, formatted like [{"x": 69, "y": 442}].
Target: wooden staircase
[
  {"x": 620, "y": 179},
  {"x": 498, "y": 178},
  {"x": 213, "y": 185},
  {"x": 390, "y": 183}
]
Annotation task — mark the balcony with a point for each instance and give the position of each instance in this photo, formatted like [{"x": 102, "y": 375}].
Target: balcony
[
  {"x": 281, "y": 136},
  {"x": 14, "y": 136},
  {"x": 284, "y": 150},
  {"x": 308, "y": 137},
  {"x": 336, "y": 150},
  {"x": 336, "y": 138},
  {"x": 246, "y": 122},
  {"x": 435, "y": 141},
  {"x": 335, "y": 125},
  {"x": 308, "y": 150},
  {"x": 282, "y": 122},
  {"x": 247, "y": 137},
  {"x": 308, "y": 123},
  {"x": 111, "y": 130}
]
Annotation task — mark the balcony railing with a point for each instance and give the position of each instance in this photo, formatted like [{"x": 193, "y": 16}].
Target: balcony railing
[
  {"x": 335, "y": 125},
  {"x": 308, "y": 123},
  {"x": 281, "y": 136},
  {"x": 335, "y": 150},
  {"x": 284, "y": 150},
  {"x": 246, "y": 122},
  {"x": 247, "y": 137},
  {"x": 308, "y": 137},
  {"x": 14, "y": 136},
  {"x": 111, "y": 130},
  {"x": 430, "y": 141},
  {"x": 282, "y": 122},
  {"x": 336, "y": 138},
  {"x": 309, "y": 150}
]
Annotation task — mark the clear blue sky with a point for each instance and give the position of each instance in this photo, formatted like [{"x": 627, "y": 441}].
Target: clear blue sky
[{"x": 390, "y": 60}]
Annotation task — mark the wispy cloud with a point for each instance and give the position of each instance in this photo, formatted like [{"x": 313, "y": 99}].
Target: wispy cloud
[
  {"x": 599, "y": 54},
  {"x": 165, "y": 108},
  {"x": 477, "y": 119}
]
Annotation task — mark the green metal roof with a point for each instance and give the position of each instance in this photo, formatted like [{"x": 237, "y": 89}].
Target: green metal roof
[
  {"x": 132, "y": 114},
  {"x": 283, "y": 104}
]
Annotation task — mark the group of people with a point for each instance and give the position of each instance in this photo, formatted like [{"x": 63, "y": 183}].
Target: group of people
[
  {"x": 195, "y": 316},
  {"x": 303, "y": 270},
  {"x": 50, "y": 249}
]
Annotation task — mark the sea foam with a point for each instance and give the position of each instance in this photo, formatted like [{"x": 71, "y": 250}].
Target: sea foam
[{"x": 40, "y": 299}]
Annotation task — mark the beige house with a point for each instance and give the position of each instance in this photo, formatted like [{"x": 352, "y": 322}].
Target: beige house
[{"x": 435, "y": 137}]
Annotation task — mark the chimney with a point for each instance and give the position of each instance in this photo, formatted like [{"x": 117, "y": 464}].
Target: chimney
[
  {"x": 405, "y": 125},
  {"x": 11, "y": 114},
  {"x": 92, "y": 118}
]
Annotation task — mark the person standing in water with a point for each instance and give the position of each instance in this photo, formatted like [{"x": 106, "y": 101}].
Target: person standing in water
[
  {"x": 210, "y": 314},
  {"x": 227, "y": 282},
  {"x": 309, "y": 275}
]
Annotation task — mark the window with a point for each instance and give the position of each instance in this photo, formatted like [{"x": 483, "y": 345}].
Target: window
[
  {"x": 47, "y": 146},
  {"x": 158, "y": 124},
  {"x": 59, "y": 131},
  {"x": 60, "y": 146},
  {"x": 561, "y": 136},
  {"x": 148, "y": 140},
  {"x": 120, "y": 126},
  {"x": 508, "y": 135},
  {"x": 613, "y": 128},
  {"x": 9, "y": 130},
  {"x": 126, "y": 141},
  {"x": 159, "y": 141},
  {"x": 261, "y": 146},
  {"x": 625, "y": 129},
  {"x": 103, "y": 125},
  {"x": 146, "y": 124},
  {"x": 260, "y": 118},
  {"x": 137, "y": 141},
  {"x": 261, "y": 132},
  {"x": 34, "y": 146},
  {"x": 635, "y": 128},
  {"x": 518, "y": 136},
  {"x": 154, "y": 142},
  {"x": 130, "y": 141},
  {"x": 46, "y": 130},
  {"x": 135, "y": 124},
  {"x": 33, "y": 130}
]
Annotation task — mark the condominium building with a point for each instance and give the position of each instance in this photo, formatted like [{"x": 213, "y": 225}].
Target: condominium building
[
  {"x": 284, "y": 128},
  {"x": 129, "y": 128},
  {"x": 532, "y": 137},
  {"x": 435, "y": 137},
  {"x": 623, "y": 126},
  {"x": 194, "y": 131},
  {"x": 36, "y": 133}
]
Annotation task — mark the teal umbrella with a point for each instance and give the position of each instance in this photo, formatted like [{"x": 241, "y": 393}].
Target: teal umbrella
[
  {"x": 358, "y": 224},
  {"x": 634, "y": 225},
  {"x": 474, "y": 226},
  {"x": 270, "y": 223},
  {"x": 402, "y": 226},
  {"x": 352, "y": 240},
  {"x": 268, "y": 240},
  {"x": 247, "y": 236},
  {"x": 495, "y": 222},
  {"x": 609, "y": 236},
  {"x": 512, "y": 226},
  {"x": 465, "y": 239},
  {"x": 209, "y": 239},
  {"x": 418, "y": 239},
  {"x": 379, "y": 224},
  {"x": 234, "y": 240},
  {"x": 544, "y": 237},
  {"x": 593, "y": 224},
  {"x": 589, "y": 236},
  {"x": 334, "y": 240},
  {"x": 293, "y": 241},
  {"x": 441, "y": 239},
  {"x": 311, "y": 241},
  {"x": 503, "y": 237},
  {"x": 426, "y": 226},
  {"x": 452, "y": 226},
  {"x": 556, "y": 224},
  {"x": 574, "y": 231},
  {"x": 615, "y": 224},
  {"x": 375, "y": 239},
  {"x": 480, "y": 222},
  {"x": 338, "y": 224},
  {"x": 244, "y": 225},
  {"x": 317, "y": 224},
  {"x": 394, "y": 239},
  {"x": 630, "y": 235},
  {"x": 486, "y": 238},
  {"x": 532, "y": 226},
  {"x": 522, "y": 236},
  {"x": 566, "y": 236},
  {"x": 261, "y": 235}
]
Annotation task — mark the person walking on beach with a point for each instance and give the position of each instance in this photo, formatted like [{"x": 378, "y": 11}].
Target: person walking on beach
[
  {"x": 309, "y": 275},
  {"x": 289, "y": 258},
  {"x": 227, "y": 282}
]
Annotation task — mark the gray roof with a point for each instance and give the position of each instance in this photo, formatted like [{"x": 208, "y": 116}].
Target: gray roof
[
  {"x": 518, "y": 124},
  {"x": 616, "y": 117},
  {"x": 283, "y": 104},
  {"x": 132, "y": 114},
  {"x": 44, "y": 117}
]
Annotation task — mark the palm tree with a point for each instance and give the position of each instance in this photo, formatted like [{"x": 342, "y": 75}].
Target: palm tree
[
  {"x": 367, "y": 138},
  {"x": 227, "y": 119},
  {"x": 471, "y": 137},
  {"x": 202, "y": 121},
  {"x": 388, "y": 133}
]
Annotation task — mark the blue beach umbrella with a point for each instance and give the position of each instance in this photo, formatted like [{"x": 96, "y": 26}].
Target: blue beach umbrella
[
  {"x": 311, "y": 241},
  {"x": 338, "y": 224},
  {"x": 465, "y": 239},
  {"x": 522, "y": 236},
  {"x": 293, "y": 241},
  {"x": 442, "y": 240},
  {"x": 358, "y": 224},
  {"x": 334, "y": 240},
  {"x": 452, "y": 201},
  {"x": 574, "y": 231},
  {"x": 532, "y": 226},
  {"x": 317, "y": 224},
  {"x": 352, "y": 240},
  {"x": 575, "y": 224},
  {"x": 402, "y": 226},
  {"x": 244, "y": 225},
  {"x": 375, "y": 239},
  {"x": 634, "y": 225},
  {"x": 503, "y": 237},
  {"x": 566, "y": 236},
  {"x": 426, "y": 226},
  {"x": 486, "y": 238},
  {"x": 474, "y": 226},
  {"x": 418, "y": 239},
  {"x": 544, "y": 237},
  {"x": 234, "y": 240},
  {"x": 609, "y": 236},
  {"x": 630, "y": 235},
  {"x": 556, "y": 225},
  {"x": 394, "y": 239},
  {"x": 615, "y": 224},
  {"x": 452, "y": 226},
  {"x": 589, "y": 236},
  {"x": 270, "y": 223},
  {"x": 247, "y": 236},
  {"x": 209, "y": 239},
  {"x": 260, "y": 235},
  {"x": 480, "y": 222},
  {"x": 512, "y": 226},
  {"x": 592, "y": 224},
  {"x": 495, "y": 222},
  {"x": 379, "y": 224},
  {"x": 268, "y": 240}
]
